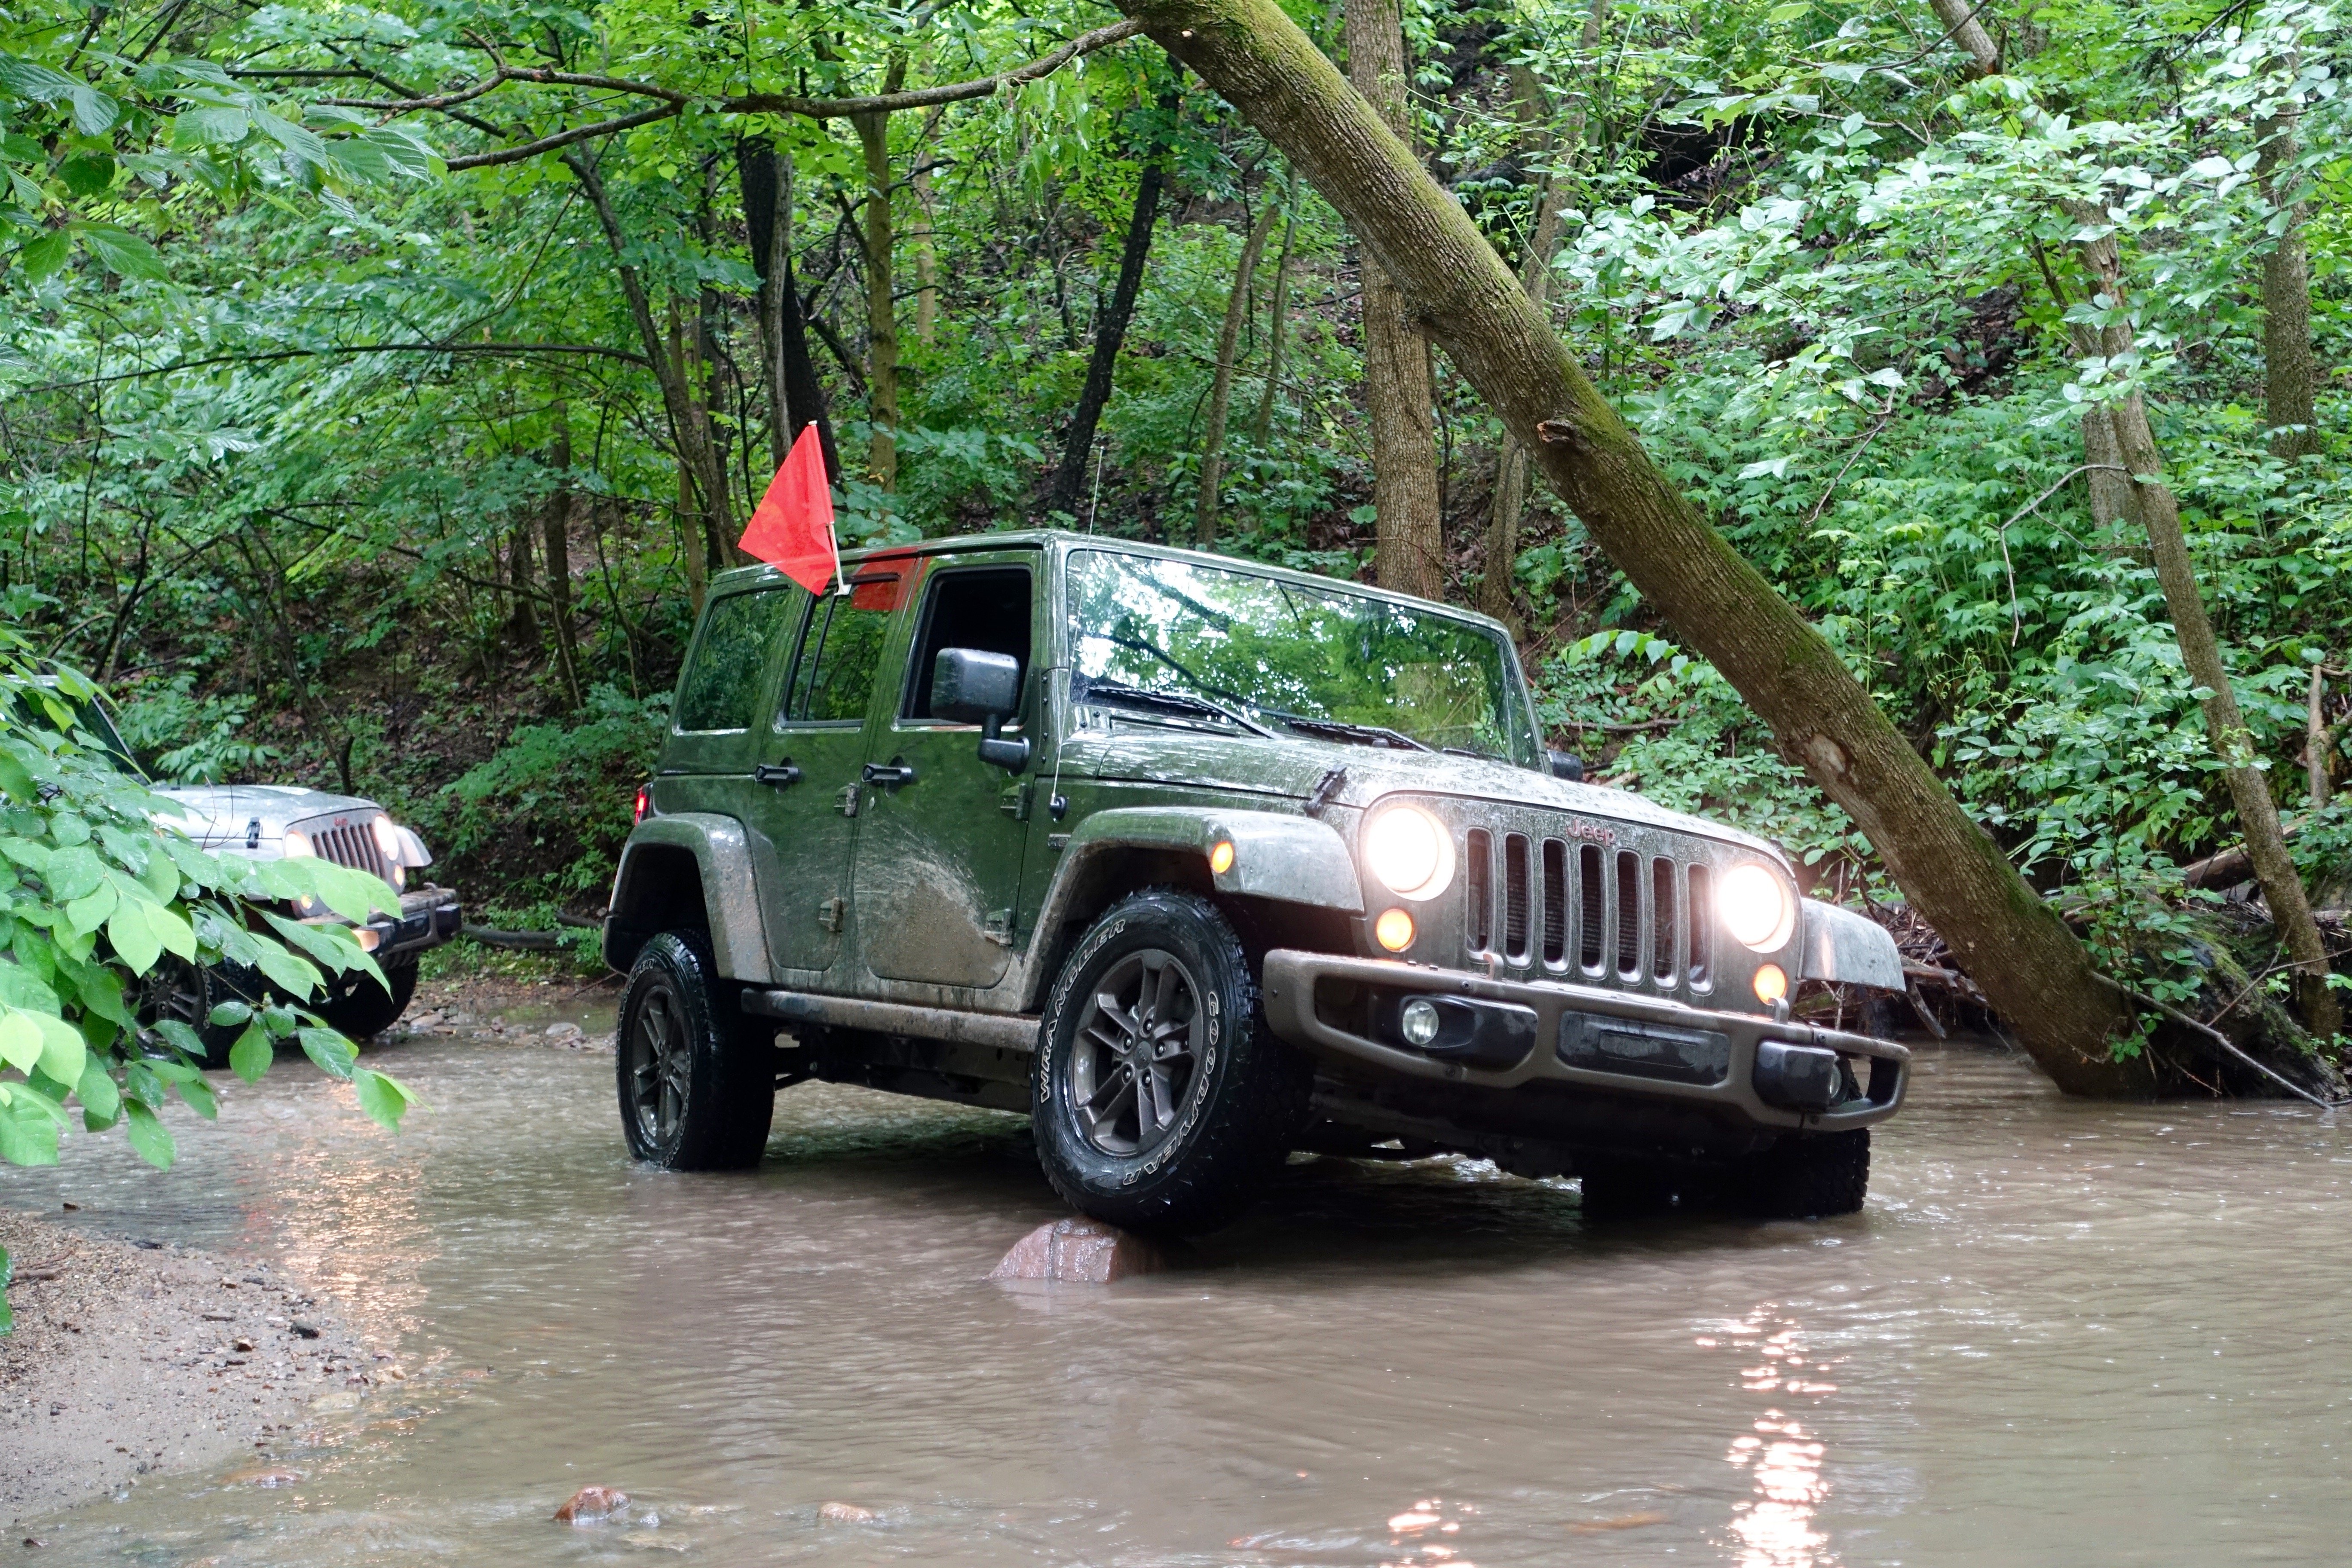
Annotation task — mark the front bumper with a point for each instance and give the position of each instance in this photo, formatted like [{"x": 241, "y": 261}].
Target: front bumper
[
  {"x": 428, "y": 916},
  {"x": 1734, "y": 1065}
]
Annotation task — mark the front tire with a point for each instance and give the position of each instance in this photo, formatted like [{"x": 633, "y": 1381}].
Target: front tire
[
  {"x": 358, "y": 1007},
  {"x": 697, "y": 1082},
  {"x": 1811, "y": 1175},
  {"x": 1161, "y": 1099},
  {"x": 187, "y": 992}
]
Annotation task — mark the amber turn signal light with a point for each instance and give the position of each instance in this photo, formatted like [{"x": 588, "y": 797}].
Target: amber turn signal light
[
  {"x": 1220, "y": 855},
  {"x": 1393, "y": 930},
  {"x": 1771, "y": 982}
]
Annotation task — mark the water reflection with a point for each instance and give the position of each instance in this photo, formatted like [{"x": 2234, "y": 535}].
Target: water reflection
[{"x": 1776, "y": 1525}]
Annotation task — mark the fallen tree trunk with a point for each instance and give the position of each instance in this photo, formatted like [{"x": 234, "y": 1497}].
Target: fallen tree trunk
[{"x": 1458, "y": 292}]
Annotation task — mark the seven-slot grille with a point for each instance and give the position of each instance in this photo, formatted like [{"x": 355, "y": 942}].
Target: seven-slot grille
[
  {"x": 350, "y": 845},
  {"x": 1626, "y": 916}
]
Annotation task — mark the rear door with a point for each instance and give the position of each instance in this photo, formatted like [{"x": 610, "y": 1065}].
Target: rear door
[
  {"x": 806, "y": 795},
  {"x": 722, "y": 697},
  {"x": 941, "y": 847}
]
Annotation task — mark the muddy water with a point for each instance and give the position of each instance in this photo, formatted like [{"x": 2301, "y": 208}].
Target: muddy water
[{"x": 2061, "y": 1332}]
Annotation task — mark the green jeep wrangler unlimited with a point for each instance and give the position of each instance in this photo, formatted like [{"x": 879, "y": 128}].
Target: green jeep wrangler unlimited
[{"x": 1198, "y": 862}]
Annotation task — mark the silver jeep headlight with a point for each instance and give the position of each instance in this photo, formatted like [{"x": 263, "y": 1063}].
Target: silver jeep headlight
[
  {"x": 1409, "y": 851},
  {"x": 1756, "y": 909}
]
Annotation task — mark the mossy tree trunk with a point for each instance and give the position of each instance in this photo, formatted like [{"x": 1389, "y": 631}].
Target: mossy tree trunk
[
  {"x": 2290, "y": 374},
  {"x": 1220, "y": 390},
  {"x": 1455, "y": 287},
  {"x": 880, "y": 245}
]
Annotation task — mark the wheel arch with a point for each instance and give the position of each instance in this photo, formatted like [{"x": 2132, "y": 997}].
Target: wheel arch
[
  {"x": 688, "y": 871},
  {"x": 1289, "y": 874}
]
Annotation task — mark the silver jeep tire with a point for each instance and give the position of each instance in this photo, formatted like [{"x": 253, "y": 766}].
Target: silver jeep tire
[{"x": 1159, "y": 1099}]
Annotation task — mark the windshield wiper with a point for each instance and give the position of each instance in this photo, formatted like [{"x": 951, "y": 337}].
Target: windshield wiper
[
  {"x": 1334, "y": 730},
  {"x": 1169, "y": 702}
]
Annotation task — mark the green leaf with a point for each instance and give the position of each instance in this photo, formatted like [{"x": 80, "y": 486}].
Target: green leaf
[
  {"x": 285, "y": 971},
  {"x": 75, "y": 873},
  {"x": 21, "y": 77},
  {"x": 179, "y": 1035},
  {"x": 63, "y": 1052},
  {"x": 171, "y": 929},
  {"x": 333, "y": 1054},
  {"x": 382, "y": 1098},
  {"x": 101, "y": 1101},
  {"x": 304, "y": 144},
  {"x": 252, "y": 1054},
  {"x": 101, "y": 993},
  {"x": 29, "y": 1136},
  {"x": 124, "y": 253},
  {"x": 94, "y": 113},
  {"x": 229, "y": 1015},
  {"x": 20, "y": 1039},
  {"x": 215, "y": 126},
  {"x": 150, "y": 1139},
  {"x": 134, "y": 939},
  {"x": 199, "y": 1096},
  {"x": 87, "y": 913}
]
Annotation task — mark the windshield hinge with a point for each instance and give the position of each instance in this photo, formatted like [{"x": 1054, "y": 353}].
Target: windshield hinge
[{"x": 1326, "y": 789}]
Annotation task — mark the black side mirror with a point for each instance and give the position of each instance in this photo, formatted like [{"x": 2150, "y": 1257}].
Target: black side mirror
[
  {"x": 971, "y": 687},
  {"x": 1567, "y": 765}
]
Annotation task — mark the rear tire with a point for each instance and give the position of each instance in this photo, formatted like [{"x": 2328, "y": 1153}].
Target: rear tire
[
  {"x": 188, "y": 993},
  {"x": 1811, "y": 1175},
  {"x": 1161, "y": 1099},
  {"x": 358, "y": 1007},
  {"x": 697, "y": 1080}
]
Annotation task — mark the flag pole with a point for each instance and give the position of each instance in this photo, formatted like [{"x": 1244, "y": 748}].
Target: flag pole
[{"x": 833, "y": 537}]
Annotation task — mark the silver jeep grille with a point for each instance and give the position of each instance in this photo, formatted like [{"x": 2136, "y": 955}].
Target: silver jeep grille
[
  {"x": 1619, "y": 915},
  {"x": 351, "y": 846}
]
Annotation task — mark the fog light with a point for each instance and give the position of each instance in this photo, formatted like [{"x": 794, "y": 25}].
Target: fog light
[
  {"x": 1417, "y": 1021},
  {"x": 1771, "y": 982},
  {"x": 369, "y": 940},
  {"x": 1221, "y": 856},
  {"x": 1393, "y": 930}
]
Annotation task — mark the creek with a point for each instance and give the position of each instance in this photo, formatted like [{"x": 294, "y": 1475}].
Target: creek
[{"x": 2060, "y": 1331}]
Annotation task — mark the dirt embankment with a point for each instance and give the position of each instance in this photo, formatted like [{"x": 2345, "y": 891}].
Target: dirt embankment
[{"x": 128, "y": 1360}]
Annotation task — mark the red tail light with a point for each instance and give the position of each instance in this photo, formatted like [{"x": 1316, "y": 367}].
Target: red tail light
[{"x": 645, "y": 804}]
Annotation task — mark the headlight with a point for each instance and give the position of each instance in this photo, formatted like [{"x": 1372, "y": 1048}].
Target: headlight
[
  {"x": 1409, "y": 851},
  {"x": 387, "y": 838},
  {"x": 1756, "y": 910},
  {"x": 297, "y": 844}
]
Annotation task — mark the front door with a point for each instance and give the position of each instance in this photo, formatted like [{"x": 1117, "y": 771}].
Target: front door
[
  {"x": 807, "y": 795},
  {"x": 941, "y": 847}
]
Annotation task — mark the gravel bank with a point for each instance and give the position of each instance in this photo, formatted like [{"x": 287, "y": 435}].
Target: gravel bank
[{"x": 130, "y": 1359}]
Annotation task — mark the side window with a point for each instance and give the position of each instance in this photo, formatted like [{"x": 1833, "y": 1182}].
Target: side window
[
  {"x": 983, "y": 607},
  {"x": 721, "y": 684},
  {"x": 834, "y": 679}
]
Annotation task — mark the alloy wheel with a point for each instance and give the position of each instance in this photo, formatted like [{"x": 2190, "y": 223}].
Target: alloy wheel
[
  {"x": 660, "y": 1057},
  {"x": 1134, "y": 1058}
]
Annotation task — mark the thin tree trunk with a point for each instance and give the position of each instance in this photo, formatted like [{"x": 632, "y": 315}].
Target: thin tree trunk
[
  {"x": 881, "y": 288},
  {"x": 522, "y": 619},
  {"x": 1220, "y": 392},
  {"x": 1399, "y": 394},
  {"x": 796, "y": 398},
  {"x": 1511, "y": 468},
  {"x": 2201, "y": 654},
  {"x": 2318, "y": 740},
  {"x": 927, "y": 260},
  {"x": 1277, "y": 325},
  {"x": 2112, "y": 499},
  {"x": 558, "y": 551},
  {"x": 1110, "y": 331},
  {"x": 689, "y": 540},
  {"x": 2029, "y": 965},
  {"x": 2290, "y": 375}
]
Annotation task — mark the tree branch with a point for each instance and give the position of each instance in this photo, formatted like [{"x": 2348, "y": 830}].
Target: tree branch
[{"x": 337, "y": 350}]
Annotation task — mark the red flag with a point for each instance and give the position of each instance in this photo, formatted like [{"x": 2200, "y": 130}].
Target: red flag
[{"x": 791, "y": 530}]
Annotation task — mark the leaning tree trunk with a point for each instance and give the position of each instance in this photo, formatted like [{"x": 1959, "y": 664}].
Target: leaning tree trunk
[
  {"x": 2290, "y": 375},
  {"x": 1278, "y": 319},
  {"x": 1220, "y": 390},
  {"x": 557, "y": 537},
  {"x": 1399, "y": 394},
  {"x": 1962, "y": 28},
  {"x": 1457, "y": 290},
  {"x": 1110, "y": 331}
]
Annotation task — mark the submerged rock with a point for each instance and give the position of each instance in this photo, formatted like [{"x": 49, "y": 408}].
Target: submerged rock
[
  {"x": 590, "y": 1504},
  {"x": 845, "y": 1513},
  {"x": 1078, "y": 1252}
]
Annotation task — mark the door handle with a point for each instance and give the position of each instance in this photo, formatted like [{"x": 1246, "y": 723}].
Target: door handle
[
  {"x": 780, "y": 775},
  {"x": 888, "y": 775}
]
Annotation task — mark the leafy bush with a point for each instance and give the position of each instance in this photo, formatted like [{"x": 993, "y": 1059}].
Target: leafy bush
[{"x": 187, "y": 739}]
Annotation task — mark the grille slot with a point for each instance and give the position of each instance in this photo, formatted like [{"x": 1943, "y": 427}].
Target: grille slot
[
  {"x": 1478, "y": 886},
  {"x": 1629, "y": 915},
  {"x": 1701, "y": 914},
  {"x": 1515, "y": 898},
  {"x": 1592, "y": 902},
  {"x": 1661, "y": 918},
  {"x": 1555, "y": 904}
]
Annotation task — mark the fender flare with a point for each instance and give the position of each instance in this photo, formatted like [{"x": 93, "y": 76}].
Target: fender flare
[
  {"x": 730, "y": 894},
  {"x": 1841, "y": 946}
]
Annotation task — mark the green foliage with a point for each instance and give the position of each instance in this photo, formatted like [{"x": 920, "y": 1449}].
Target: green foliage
[
  {"x": 99, "y": 896},
  {"x": 572, "y": 784}
]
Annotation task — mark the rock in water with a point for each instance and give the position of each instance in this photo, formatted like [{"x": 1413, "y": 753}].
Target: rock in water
[
  {"x": 590, "y": 1504},
  {"x": 1078, "y": 1252},
  {"x": 845, "y": 1513}
]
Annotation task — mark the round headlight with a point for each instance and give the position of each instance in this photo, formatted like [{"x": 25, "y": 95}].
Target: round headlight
[
  {"x": 1410, "y": 851},
  {"x": 297, "y": 844},
  {"x": 387, "y": 838},
  {"x": 1756, "y": 910}
]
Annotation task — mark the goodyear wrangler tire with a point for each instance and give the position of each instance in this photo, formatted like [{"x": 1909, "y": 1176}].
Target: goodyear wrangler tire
[
  {"x": 1811, "y": 1175},
  {"x": 360, "y": 1008},
  {"x": 697, "y": 1083},
  {"x": 1161, "y": 1099}
]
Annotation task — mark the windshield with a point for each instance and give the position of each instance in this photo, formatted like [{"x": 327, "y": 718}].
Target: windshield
[{"x": 1328, "y": 663}]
